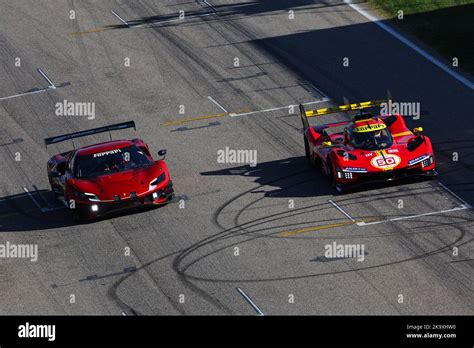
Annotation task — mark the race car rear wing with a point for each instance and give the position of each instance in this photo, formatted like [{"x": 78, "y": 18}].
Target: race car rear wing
[
  {"x": 84, "y": 133},
  {"x": 342, "y": 108}
]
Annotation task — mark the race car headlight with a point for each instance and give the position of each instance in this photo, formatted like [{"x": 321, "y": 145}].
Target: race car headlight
[
  {"x": 86, "y": 195},
  {"x": 159, "y": 179},
  {"x": 339, "y": 172},
  {"x": 427, "y": 162}
]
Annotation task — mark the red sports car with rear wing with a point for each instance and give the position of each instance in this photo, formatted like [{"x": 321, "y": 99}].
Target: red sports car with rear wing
[
  {"x": 368, "y": 148},
  {"x": 97, "y": 179}
]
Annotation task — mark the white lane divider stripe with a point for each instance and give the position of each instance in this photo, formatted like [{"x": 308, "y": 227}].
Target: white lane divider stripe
[
  {"x": 51, "y": 84},
  {"x": 219, "y": 105},
  {"x": 119, "y": 18},
  {"x": 323, "y": 100},
  {"x": 249, "y": 300},
  {"x": 462, "y": 207},
  {"x": 341, "y": 210}
]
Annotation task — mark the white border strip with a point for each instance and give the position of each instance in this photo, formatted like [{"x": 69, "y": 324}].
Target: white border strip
[
  {"x": 410, "y": 44},
  {"x": 249, "y": 300},
  {"x": 462, "y": 207},
  {"x": 323, "y": 100},
  {"x": 341, "y": 210}
]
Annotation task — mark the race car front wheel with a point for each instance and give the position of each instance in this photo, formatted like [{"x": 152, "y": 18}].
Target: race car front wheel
[{"x": 80, "y": 215}]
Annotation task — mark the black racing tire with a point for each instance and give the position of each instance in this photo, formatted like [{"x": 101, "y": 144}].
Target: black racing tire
[
  {"x": 306, "y": 148},
  {"x": 80, "y": 216},
  {"x": 312, "y": 161},
  {"x": 332, "y": 174}
]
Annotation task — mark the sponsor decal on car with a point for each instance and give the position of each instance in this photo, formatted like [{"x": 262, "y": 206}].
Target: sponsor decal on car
[
  {"x": 369, "y": 128},
  {"x": 111, "y": 152},
  {"x": 387, "y": 161},
  {"x": 354, "y": 169},
  {"x": 417, "y": 160}
]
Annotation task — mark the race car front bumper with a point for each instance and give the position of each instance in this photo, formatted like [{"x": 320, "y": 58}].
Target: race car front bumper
[
  {"x": 92, "y": 210},
  {"x": 384, "y": 177}
]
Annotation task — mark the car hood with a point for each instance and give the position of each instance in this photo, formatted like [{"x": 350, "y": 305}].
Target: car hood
[
  {"x": 121, "y": 184},
  {"x": 393, "y": 158}
]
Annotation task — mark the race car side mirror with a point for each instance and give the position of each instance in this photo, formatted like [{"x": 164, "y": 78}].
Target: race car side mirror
[
  {"x": 54, "y": 174},
  {"x": 327, "y": 143},
  {"x": 162, "y": 153},
  {"x": 417, "y": 130}
]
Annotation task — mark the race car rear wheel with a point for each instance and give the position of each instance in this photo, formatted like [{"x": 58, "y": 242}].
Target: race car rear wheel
[
  {"x": 306, "y": 148},
  {"x": 313, "y": 161}
]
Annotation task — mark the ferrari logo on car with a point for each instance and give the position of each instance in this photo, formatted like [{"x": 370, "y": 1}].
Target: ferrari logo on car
[{"x": 386, "y": 161}]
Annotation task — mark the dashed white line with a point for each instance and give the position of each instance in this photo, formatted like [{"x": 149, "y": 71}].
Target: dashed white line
[
  {"x": 219, "y": 105},
  {"x": 410, "y": 44},
  {"x": 323, "y": 100},
  {"x": 249, "y": 300},
  {"x": 462, "y": 207},
  {"x": 341, "y": 210}
]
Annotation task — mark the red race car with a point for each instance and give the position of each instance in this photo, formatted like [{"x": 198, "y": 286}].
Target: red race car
[
  {"x": 110, "y": 176},
  {"x": 368, "y": 148}
]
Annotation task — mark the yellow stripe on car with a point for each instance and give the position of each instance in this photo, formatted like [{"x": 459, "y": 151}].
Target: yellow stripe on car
[
  {"x": 369, "y": 128},
  {"x": 402, "y": 134}
]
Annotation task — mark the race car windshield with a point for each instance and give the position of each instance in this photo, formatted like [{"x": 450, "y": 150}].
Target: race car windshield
[
  {"x": 109, "y": 162},
  {"x": 375, "y": 140}
]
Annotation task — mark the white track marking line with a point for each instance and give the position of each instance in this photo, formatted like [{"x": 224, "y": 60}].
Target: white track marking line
[
  {"x": 27, "y": 93},
  {"x": 219, "y": 105},
  {"x": 51, "y": 84},
  {"x": 33, "y": 199},
  {"x": 210, "y": 5},
  {"x": 341, "y": 210},
  {"x": 462, "y": 207},
  {"x": 119, "y": 18},
  {"x": 410, "y": 44},
  {"x": 42, "y": 209},
  {"x": 249, "y": 300},
  {"x": 323, "y": 100},
  {"x": 455, "y": 195}
]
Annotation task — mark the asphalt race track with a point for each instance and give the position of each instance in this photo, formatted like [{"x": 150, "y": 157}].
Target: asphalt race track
[{"x": 260, "y": 229}]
